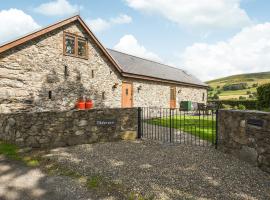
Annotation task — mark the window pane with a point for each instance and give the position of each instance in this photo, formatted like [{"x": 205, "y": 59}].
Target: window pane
[
  {"x": 82, "y": 48},
  {"x": 70, "y": 45}
]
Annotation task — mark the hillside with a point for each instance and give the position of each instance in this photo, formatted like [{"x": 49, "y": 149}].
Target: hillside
[{"x": 251, "y": 82}]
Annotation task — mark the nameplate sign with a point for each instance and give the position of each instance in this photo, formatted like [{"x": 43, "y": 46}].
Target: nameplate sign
[
  {"x": 106, "y": 122},
  {"x": 255, "y": 122}
]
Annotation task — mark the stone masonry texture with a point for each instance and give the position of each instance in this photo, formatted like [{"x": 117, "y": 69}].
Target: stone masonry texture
[
  {"x": 65, "y": 128},
  {"x": 30, "y": 71},
  {"x": 246, "y": 134}
]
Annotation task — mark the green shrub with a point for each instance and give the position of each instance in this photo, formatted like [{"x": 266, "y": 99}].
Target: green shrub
[
  {"x": 255, "y": 85},
  {"x": 210, "y": 89},
  {"x": 226, "y": 107},
  {"x": 236, "y": 86},
  {"x": 248, "y": 92},
  {"x": 215, "y": 96},
  {"x": 249, "y": 104},
  {"x": 263, "y": 93},
  {"x": 242, "y": 98},
  {"x": 241, "y": 107}
]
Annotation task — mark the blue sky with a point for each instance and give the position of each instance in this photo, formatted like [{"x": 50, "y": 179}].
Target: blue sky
[{"x": 209, "y": 38}]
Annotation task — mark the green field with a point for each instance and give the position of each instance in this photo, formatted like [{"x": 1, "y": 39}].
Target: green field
[
  {"x": 202, "y": 127},
  {"x": 250, "y": 79}
]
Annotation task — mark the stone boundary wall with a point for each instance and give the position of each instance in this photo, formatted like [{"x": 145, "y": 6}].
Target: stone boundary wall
[
  {"x": 246, "y": 134},
  {"x": 64, "y": 128}
]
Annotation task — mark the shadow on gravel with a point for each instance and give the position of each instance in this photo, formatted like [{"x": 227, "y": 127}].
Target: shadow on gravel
[
  {"x": 19, "y": 182},
  {"x": 167, "y": 171}
]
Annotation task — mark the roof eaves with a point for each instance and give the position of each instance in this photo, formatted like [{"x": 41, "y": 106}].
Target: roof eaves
[
  {"x": 139, "y": 76},
  {"x": 8, "y": 45}
]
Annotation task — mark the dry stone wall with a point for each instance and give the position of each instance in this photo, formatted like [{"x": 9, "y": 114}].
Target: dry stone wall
[
  {"x": 246, "y": 134},
  {"x": 64, "y": 128}
]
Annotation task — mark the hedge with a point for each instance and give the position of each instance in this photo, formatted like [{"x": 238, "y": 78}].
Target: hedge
[
  {"x": 263, "y": 92},
  {"x": 249, "y": 104}
]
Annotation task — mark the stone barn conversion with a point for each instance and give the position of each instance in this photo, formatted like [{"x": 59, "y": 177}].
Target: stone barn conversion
[{"x": 51, "y": 68}]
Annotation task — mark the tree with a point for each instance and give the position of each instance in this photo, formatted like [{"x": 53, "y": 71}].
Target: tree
[
  {"x": 215, "y": 97},
  {"x": 242, "y": 98},
  {"x": 263, "y": 93}
]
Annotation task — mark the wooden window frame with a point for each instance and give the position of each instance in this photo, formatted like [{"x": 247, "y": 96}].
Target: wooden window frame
[{"x": 76, "y": 46}]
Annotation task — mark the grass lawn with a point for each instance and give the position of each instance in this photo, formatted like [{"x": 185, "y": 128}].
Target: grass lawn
[
  {"x": 202, "y": 127},
  {"x": 11, "y": 151}
]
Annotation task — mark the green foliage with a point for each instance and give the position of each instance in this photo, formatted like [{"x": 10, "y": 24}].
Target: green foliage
[
  {"x": 248, "y": 92},
  {"x": 255, "y": 85},
  {"x": 94, "y": 182},
  {"x": 242, "y": 98},
  {"x": 249, "y": 104},
  {"x": 237, "y": 86},
  {"x": 210, "y": 89},
  {"x": 9, "y": 150},
  {"x": 215, "y": 96},
  {"x": 263, "y": 93},
  {"x": 241, "y": 107},
  {"x": 226, "y": 107}
]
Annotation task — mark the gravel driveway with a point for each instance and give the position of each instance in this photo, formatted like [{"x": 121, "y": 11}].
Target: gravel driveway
[
  {"x": 19, "y": 182},
  {"x": 166, "y": 171}
]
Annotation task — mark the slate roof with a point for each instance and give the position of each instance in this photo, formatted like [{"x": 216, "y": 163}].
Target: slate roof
[{"x": 140, "y": 66}]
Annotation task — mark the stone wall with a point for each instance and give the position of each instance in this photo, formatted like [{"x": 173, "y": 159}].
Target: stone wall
[
  {"x": 64, "y": 128},
  {"x": 153, "y": 94},
  {"x": 246, "y": 134},
  {"x": 29, "y": 71}
]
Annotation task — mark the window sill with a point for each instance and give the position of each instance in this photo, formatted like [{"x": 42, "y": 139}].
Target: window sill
[{"x": 74, "y": 56}]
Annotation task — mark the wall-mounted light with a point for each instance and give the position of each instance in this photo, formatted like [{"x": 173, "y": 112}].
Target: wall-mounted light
[
  {"x": 179, "y": 91},
  {"x": 115, "y": 85},
  {"x": 139, "y": 88}
]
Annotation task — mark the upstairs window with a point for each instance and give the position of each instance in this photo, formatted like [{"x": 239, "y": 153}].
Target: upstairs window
[
  {"x": 82, "y": 47},
  {"x": 75, "y": 45},
  {"x": 70, "y": 45}
]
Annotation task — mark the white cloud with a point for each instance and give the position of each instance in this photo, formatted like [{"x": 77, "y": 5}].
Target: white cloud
[
  {"x": 14, "y": 23},
  {"x": 98, "y": 25},
  {"x": 129, "y": 44},
  {"x": 194, "y": 13},
  {"x": 248, "y": 51},
  {"x": 57, "y": 8}
]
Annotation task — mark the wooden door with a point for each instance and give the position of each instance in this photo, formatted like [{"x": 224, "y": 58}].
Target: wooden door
[
  {"x": 127, "y": 95},
  {"x": 173, "y": 97}
]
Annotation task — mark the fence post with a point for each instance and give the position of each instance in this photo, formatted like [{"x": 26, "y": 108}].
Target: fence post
[
  {"x": 170, "y": 125},
  {"x": 139, "y": 122},
  {"x": 216, "y": 143}
]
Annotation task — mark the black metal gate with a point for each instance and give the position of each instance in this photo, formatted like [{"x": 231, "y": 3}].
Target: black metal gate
[{"x": 197, "y": 127}]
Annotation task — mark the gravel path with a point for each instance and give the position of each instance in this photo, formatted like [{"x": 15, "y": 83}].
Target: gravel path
[
  {"x": 19, "y": 182},
  {"x": 168, "y": 171}
]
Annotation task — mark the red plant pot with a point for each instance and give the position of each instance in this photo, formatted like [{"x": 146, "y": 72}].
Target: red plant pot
[
  {"x": 80, "y": 105},
  {"x": 89, "y": 104}
]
